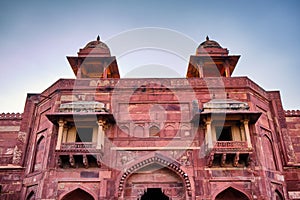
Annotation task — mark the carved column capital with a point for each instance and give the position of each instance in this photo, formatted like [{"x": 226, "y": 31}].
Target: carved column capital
[
  {"x": 245, "y": 121},
  {"x": 61, "y": 123},
  {"x": 102, "y": 122}
]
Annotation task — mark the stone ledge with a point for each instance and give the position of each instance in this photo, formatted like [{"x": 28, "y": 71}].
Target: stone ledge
[
  {"x": 11, "y": 167},
  {"x": 151, "y": 148}
]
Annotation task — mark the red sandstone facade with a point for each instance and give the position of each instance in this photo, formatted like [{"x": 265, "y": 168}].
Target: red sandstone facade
[{"x": 207, "y": 136}]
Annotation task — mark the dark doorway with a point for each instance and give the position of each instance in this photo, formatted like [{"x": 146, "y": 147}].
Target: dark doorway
[
  {"x": 78, "y": 194},
  {"x": 231, "y": 194},
  {"x": 154, "y": 194},
  {"x": 84, "y": 135},
  {"x": 223, "y": 133}
]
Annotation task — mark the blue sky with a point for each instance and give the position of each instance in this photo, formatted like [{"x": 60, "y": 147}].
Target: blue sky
[{"x": 36, "y": 37}]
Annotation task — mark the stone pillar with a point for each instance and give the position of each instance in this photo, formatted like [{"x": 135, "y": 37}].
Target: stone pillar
[
  {"x": 247, "y": 133},
  {"x": 200, "y": 70},
  {"x": 208, "y": 135},
  {"x": 65, "y": 134},
  {"x": 227, "y": 70},
  {"x": 61, "y": 124},
  {"x": 242, "y": 131},
  {"x": 100, "y": 135}
]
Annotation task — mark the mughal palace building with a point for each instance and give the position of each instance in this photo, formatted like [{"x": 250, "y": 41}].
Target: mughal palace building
[{"x": 100, "y": 137}]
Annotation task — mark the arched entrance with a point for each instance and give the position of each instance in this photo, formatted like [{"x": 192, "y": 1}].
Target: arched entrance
[
  {"x": 154, "y": 182},
  {"x": 231, "y": 194},
  {"x": 78, "y": 194},
  {"x": 154, "y": 194},
  {"x": 155, "y": 172}
]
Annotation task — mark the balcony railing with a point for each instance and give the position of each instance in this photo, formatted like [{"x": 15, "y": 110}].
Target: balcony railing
[
  {"x": 230, "y": 144},
  {"x": 78, "y": 147}
]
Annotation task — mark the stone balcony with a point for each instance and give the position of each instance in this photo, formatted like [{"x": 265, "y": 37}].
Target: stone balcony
[{"x": 232, "y": 152}]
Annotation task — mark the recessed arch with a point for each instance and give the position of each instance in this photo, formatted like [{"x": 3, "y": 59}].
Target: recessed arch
[
  {"x": 154, "y": 131},
  {"x": 78, "y": 194},
  {"x": 155, "y": 160},
  {"x": 270, "y": 161},
  {"x": 169, "y": 131},
  {"x": 123, "y": 131},
  {"x": 39, "y": 153},
  {"x": 138, "y": 131},
  {"x": 231, "y": 193}
]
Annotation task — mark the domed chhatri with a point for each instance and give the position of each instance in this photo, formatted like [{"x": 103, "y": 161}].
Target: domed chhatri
[
  {"x": 94, "y": 61},
  {"x": 96, "y": 47},
  {"x": 211, "y": 60}
]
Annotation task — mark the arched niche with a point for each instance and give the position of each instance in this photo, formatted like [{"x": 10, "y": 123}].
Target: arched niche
[
  {"x": 154, "y": 131},
  {"x": 269, "y": 153},
  {"x": 39, "y": 154},
  {"x": 123, "y": 131},
  {"x": 138, "y": 131},
  {"x": 169, "y": 131}
]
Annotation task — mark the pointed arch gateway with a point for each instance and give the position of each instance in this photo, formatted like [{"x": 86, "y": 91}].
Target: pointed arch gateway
[
  {"x": 231, "y": 193},
  {"x": 155, "y": 176}
]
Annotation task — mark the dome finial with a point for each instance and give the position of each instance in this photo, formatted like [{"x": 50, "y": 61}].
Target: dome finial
[
  {"x": 207, "y": 38},
  {"x": 98, "y": 38}
]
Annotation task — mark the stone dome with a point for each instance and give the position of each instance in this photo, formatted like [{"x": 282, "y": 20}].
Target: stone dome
[
  {"x": 211, "y": 47},
  {"x": 97, "y": 47},
  {"x": 209, "y": 44}
]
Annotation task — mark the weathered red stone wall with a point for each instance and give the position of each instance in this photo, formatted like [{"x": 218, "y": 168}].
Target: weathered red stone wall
[
  {"x": 10, "y": 174},
  {"x": 292, "y": 173},
  {"x": 9, "y": 129},
  {"x": 293, "y": 126}
]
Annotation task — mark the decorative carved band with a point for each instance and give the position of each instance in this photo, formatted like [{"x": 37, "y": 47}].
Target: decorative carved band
[
  {"x": 231, "y": 144},
  {"x": 78, "y": 145}
]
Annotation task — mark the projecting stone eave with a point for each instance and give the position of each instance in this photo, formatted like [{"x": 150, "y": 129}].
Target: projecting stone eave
[
  {"x": 80, "y": 116},
  {"x": 229, "y": 109},
  {"x": 196, "y": 60}
]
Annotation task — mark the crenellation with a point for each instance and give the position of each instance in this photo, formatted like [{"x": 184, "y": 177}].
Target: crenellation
[
  {"x": 292, "y": 113},
  {"x": 4, "y": 116}
]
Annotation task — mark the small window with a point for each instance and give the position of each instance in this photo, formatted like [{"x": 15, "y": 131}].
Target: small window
[
  {"x": 84, "y": 135},
  {"x": 223, "y": 133}
]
